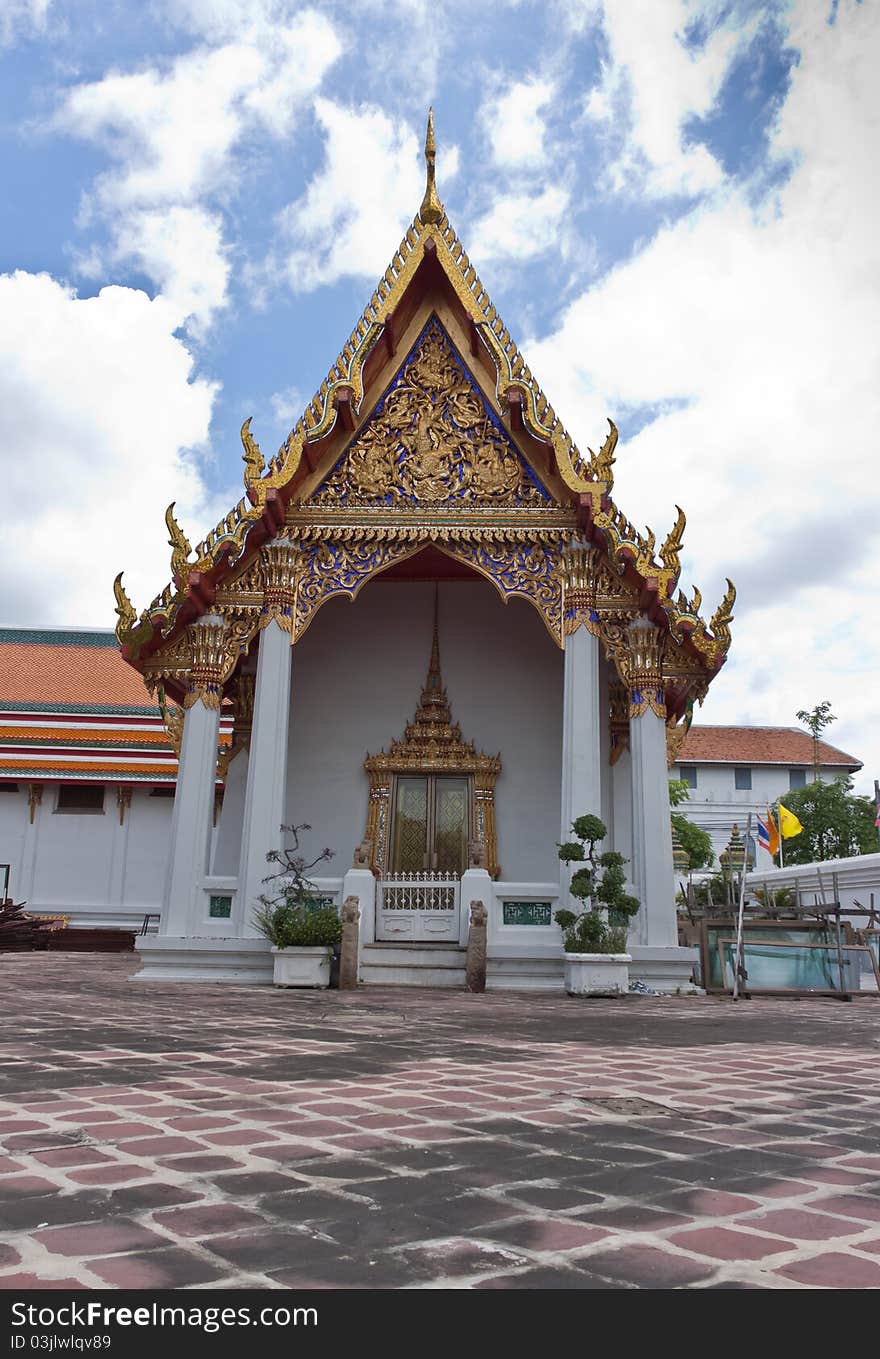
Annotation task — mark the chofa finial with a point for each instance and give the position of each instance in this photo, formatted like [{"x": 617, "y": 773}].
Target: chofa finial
[{"x": 431, "y": 209}]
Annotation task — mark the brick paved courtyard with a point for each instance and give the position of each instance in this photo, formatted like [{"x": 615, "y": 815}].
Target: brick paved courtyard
[{"x": 204, "y": 1137}]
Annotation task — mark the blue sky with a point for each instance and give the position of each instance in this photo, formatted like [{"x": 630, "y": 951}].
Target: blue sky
[{"x": 671, "y": 205}]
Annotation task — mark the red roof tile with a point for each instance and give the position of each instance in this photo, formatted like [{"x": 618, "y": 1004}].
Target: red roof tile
[
  {"x": 39, "y": 672},
  {"x": 758, "y": 745}
]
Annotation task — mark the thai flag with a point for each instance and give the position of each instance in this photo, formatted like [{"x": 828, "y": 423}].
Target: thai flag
[{"x": 763, "y": 835}]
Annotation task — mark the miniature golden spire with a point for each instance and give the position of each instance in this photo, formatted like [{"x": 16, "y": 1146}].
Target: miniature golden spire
[
  {"x": 434, "y": 683},
  {"x": 431, "y": 209}
]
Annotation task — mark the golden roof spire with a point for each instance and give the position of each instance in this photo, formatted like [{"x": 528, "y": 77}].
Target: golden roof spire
[
  {"x": 431, "y": 209},
  {"x": 434, "y": 683}
]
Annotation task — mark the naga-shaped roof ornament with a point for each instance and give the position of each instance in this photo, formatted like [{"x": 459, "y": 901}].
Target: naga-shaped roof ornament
[
  {"x": 254, "y": 462},
  {"x": 125, "y": 610},
  {"x": 670, "y": 552},
  {"x": 179, "y": 544}
]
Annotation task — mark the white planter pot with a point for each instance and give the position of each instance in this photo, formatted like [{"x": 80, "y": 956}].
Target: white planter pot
[
  {"x": 597, "y": 974},
  {"x": 302, "y": 966}
]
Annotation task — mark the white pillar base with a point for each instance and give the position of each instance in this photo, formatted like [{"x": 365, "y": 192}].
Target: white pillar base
[
  {"x": 476, "y": 885},
  {"x": 360, "y": 883},
  {"x": 164, "y": 958}
]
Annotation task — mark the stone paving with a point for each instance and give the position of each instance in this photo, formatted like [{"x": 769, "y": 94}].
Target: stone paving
[{"x": 158, "y": 1136}]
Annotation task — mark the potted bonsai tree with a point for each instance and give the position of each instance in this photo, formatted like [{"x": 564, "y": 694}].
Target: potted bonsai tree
[
  {"x": 594, "y": 939},
  {"x": 302, "y": 932}
]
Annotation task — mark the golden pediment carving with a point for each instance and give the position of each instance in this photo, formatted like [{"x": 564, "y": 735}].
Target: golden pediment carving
[{"x": 433, "y": 440}]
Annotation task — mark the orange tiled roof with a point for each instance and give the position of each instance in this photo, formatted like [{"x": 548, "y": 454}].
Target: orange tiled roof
[
  {"x": 758, "y": 745},
  {"x": 88, "y": 670},
  {"x": 70, "y": 708}
]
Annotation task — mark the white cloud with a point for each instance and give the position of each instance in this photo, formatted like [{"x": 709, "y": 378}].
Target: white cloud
[
  {"x": 103, "y": 413},
  {"x": 356, "y": 208},
  {"x": 653, "y": 83},
  {"x": 522, "y": 226},
  {"x": 516, "y": 130},
  {"x": 173, "y": 134},
  {"x": 182, "y": 250},
  {"x": 22, "y": 18},
  {"x": 757, "y": 335},
  {"x": 287, "y": 406}
]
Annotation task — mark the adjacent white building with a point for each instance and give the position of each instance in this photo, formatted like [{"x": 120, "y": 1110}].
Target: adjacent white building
[{"x": 732, "y": 771}]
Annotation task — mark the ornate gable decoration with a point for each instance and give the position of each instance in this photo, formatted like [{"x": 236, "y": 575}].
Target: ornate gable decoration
[{"x": 432, "y": 440}]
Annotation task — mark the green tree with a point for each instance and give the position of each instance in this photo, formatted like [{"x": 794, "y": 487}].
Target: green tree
[
  {"x": 697, "y": 843},
  {"x": 816, "y": 720},
  {"x": 600, "y": 884},
  {"x": 836, "y": 822}
]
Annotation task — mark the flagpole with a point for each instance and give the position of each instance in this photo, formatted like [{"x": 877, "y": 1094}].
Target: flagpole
[
  {"x": 779, "y": 833},
  {"x": 737, "y": 961}
]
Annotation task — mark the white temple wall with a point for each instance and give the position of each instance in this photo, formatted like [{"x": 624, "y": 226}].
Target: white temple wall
[
  {"x": 84, "y": 864},
  {"x": 13, "y": 831},
  {"x": 357, "y": 676}
]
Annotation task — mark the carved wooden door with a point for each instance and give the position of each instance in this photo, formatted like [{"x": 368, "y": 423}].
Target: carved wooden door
[
  {"x": 430, "y": 829},
  {"x": 431, "y": 819}
]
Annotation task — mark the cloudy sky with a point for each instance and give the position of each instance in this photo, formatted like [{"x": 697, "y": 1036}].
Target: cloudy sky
[{"x": 674, "y": 206}]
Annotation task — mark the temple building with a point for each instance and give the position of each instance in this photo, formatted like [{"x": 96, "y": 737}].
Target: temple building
[{"x": 437, "y": 641}]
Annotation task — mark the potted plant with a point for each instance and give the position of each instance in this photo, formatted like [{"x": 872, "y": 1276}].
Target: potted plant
[
  {"x": 594, "y": 939},
  {"x": 303, "y": 932}
]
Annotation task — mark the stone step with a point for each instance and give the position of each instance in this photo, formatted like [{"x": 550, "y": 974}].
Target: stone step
[
  {"x": 524, "y": 974},
  {"x": 413, "y": 955},
  {"x": 413, "y": 974},
  {"x": 413, "y": 964}
]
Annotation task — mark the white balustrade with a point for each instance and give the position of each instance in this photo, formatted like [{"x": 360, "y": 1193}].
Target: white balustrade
[{"x": 420, "y": 892}]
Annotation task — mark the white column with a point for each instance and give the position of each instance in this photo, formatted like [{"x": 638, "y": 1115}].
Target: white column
[
  {"x": 622, "y": 792},
  {"x": 227, "y": 841},
  {"x": 581, "y": 708},
  {"x": 621, "y": 770},
  {"x": 192, "y": 822},
  {"x": 266, "y": 792},
  {"x": 581, "y": 779},
  {"x": 605, "y": 769},
  {"x": 652, "y": 869}
]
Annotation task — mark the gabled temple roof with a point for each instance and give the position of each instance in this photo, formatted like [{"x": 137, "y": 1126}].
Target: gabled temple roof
[{"x": 429, "y": 259}]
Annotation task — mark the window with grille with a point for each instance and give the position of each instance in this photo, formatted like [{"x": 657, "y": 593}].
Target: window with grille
[
  {"x": 742, "y": 780},
  {"x": 80, "y": 797}
]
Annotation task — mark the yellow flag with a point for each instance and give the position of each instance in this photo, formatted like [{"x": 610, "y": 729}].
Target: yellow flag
[{"x": 788, "y": 823}]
